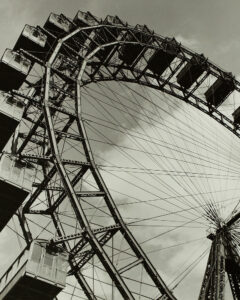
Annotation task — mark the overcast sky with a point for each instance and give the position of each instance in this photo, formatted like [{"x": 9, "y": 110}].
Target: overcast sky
[{"x": 208, "y": 26}]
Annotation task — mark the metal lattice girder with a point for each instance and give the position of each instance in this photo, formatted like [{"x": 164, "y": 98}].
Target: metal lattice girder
[
  {"x": 59, "y": 163},
  {"x": 70, "y": 66},
  {"x": 235, "y": 285},
  {"x": 214, "y": 277}
]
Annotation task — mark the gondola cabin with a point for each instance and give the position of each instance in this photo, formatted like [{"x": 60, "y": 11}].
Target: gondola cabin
[
  {"x": 113, "y": 20},
  {"x": 33, "y": 40},
  {"x": 11, "y": 111},
  {"x": 84, "y": 19},
  {"x": 37, "y": 274},
  {"x": 106, "y": 35},
  {"x": 128, "y": 53},
  {"x": 219, "y": 91},
  {"x": 14, "y": 68},
  {"x": 162, "y": 58},
  {"x": 58, "y": 24},
  {"x": 111, "y": 31},
  {"x": 236, "y": 116},
  {"x": 16, "y": 178},
  {"x": 191, "y": 71}
]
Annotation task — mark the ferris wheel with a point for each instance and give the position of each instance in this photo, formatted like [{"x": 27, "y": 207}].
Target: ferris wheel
[{"x": 119, "y": 166}]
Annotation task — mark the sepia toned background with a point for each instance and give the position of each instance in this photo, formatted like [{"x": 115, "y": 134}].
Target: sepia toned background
[{"x": 211, "y": 27}]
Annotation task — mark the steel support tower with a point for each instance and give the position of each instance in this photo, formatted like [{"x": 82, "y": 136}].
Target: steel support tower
[{"x": 87, "y": 50}]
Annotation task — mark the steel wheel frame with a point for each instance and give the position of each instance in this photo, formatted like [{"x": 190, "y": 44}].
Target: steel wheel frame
[{"x": 162, "y": 84}]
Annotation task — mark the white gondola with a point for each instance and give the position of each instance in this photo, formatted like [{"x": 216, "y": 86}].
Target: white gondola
[
  {"x": 58, "y": 24},
  {"x": 113, "y": 20},
  {"x": 32, "y": 39},
  {"x": 85, "y": 19},
  {"x": 11, "y": 111},
  {"x": 16, "y": 179},
  {"x": 35, "y": 35},
  {"x": 14, "y": 68},
  {"x": 106, "y": 35},
  {"x": 38, "y": 273}
]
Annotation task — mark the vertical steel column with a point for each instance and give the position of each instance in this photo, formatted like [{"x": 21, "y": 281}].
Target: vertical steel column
[
  {"x": 214, "y": 278},
  {"x": 80, "y": 215}
]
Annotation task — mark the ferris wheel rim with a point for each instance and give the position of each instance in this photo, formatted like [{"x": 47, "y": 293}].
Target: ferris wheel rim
[{"x": 213, "y": 113}]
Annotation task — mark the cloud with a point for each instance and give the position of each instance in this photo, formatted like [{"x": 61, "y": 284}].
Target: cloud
[
  {"x": 190, "y": 43},
  {"x": 193, "y": 26}
]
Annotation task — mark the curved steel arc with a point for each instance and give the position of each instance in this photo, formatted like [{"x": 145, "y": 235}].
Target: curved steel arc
[
  {"x": 76, "y": 205},
  {"x": 213, "y": 112},
  {"x": 109, "y": 201},
  {"x": 115, "y": 275},
  {"x": 79, "y": 212},
  {"x": 108, "y": 198},
  {"x": 223, "y": 120},
  {"x": 182, "y": 53},
  {"x": 214, "y": 69}
]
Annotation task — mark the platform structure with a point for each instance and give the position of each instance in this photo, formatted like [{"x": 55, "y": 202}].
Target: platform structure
[
  {"x": 13, "y": 65},
  {"x": 33, "y": 39},
  {"x": 16, "y": 177},
  {"x": 37, "y": 273},
  {"x": 11, "y": 111}
]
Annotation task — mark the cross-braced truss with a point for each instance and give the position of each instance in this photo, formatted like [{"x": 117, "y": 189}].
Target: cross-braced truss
[{"x": 54, "y": 138}]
